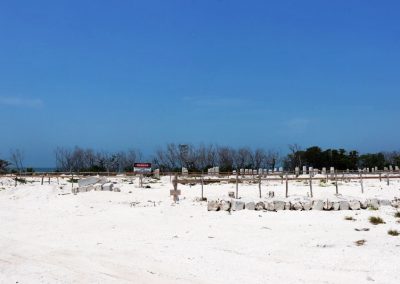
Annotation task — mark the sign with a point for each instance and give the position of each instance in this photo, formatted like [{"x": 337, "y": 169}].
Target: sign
[{"x": 142, "y": 168}]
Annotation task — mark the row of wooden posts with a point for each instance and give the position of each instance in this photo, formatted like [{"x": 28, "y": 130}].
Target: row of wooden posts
[
  {"x": 285, "y": 177},
  {"x": 175, "y": 192}
]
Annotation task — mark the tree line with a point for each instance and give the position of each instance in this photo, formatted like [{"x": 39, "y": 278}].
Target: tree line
[{"x": 197, "y": 158}]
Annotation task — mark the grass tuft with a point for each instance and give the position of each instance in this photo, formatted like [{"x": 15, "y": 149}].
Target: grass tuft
[
  {"x": 393, "y": 233},
  {"x": 397, "y": 214},
  {"x": 376, "y": 220}
]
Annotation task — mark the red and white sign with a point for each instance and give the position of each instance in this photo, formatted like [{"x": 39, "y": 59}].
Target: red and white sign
[{"x": 142, "y": 167}]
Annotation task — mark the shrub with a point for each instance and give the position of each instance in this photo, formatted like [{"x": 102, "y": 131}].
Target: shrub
[
  {"x": 397, "y": 214},
  {"x": 376, "y": 220},
  {"x": 393, "y": 232}
]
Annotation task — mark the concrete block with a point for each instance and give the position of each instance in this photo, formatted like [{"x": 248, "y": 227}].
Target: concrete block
[
  {"x": 384, "y": 202},
  {"x": 335, "y": 205},
  {"x": 307, "y": 205},
  {"x": 108, "y": 186},
  {"x": 250, "y": 206},
  {"x": 344, "y": 205},
  {"x": 279, "y": 205},
  {"x": 318, "y": 205},
  {"x": 355, "y": 205},
  {"x": 237, "y": 205},
  {"x": 328, "y": 205},
  {"x": 269, "y": 205},
  {"x": 373, "y": 203}
]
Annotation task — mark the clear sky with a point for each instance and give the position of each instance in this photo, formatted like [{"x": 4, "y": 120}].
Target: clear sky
[{"x": 114, "y": 75}]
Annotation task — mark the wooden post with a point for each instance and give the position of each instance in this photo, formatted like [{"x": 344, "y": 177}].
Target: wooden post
[
  {"x": 287, "y": 185},
  {"x": 380, "y": 177},
  {"x": 387, "y": 177},
  {"x": 361, "y": 182},
  {"x": 72, "y": 181},
  {"x": 16, "y": 180},
  {"x": 49, "y": 179},
  {"x": 202, "y": 184},
  {"x": 42, "y": 179},
  {"x": 237, "y": 185},
  {"x": 311, "y": 192},
  {"x": 336, "y": 183},
  {"x": 259, "y": 185},
  {"x": 175, "y": 192}
]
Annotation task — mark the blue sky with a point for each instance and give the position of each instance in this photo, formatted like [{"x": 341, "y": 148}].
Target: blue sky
[{"x": 114, "y": 75}]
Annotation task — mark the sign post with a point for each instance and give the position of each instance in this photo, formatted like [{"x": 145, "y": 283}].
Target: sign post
[
  {"x": 141, "y": 169},
  {"x": 175, "y": 192}
]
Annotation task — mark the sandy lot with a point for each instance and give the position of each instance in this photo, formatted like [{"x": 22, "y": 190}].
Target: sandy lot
[{"x": 48, "y": 235}]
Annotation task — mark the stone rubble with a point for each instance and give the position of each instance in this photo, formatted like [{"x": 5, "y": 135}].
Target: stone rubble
[{"x": 299, "y": 205}]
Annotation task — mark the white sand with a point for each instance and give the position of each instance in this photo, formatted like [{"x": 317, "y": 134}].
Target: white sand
[{"x": 99, "y": 237}]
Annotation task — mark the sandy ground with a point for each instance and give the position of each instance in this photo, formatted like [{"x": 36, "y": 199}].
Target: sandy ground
[{"x": 48, "y": 235}]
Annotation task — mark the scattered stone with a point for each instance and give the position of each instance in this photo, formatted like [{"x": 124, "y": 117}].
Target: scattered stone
[
  {"x": 213, "y": 205},
  {"x": 116, "y": 189},
  {"x": 231, "y": 194},
  {"x": 364, "y": 204},
  {"x": 288, "y": 205},
  {"x": 260, "y": 206},
  {"x": 395, "y": 203},
  {"x": 362, "y": 229},
  {"x": 225, "y": 205},
  {"x": 297, "y": 206},
  {"x": 360, "y": 242},
  {"x": 271, "y": 194}
]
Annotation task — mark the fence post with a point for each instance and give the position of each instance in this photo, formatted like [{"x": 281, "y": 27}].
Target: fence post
[
  {"x": 202, "y": 184},
  {"x": 237, "y": 185},
  {"x": 287, "y": 185},
  {"x": 259, "y": 185},
  {"x": 362, "y": 184},
  {"x": 311, "y": 192},
  {"x": 336, "y": 183}
]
